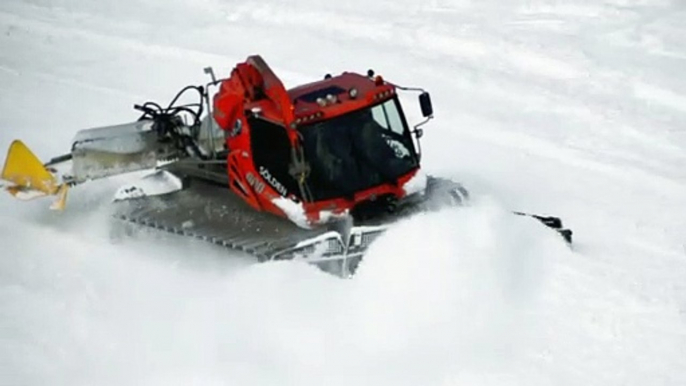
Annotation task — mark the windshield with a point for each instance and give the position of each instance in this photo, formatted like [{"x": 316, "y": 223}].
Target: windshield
[{"x": 357, "y": 151}]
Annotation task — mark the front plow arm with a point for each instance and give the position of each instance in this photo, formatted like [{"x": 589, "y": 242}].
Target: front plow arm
[
  {"x": 29, "y": 178},
  {"x": 95, "y": 154}
]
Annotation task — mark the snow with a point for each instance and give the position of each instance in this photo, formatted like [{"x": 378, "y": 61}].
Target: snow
[
  {"x": 152, "y": 184},
  {"x": 293, "y": 210},
  {"x": 27, "y": 195},
  {"x": 572, "y": 108},
  {"x": 416, "y": 184}
]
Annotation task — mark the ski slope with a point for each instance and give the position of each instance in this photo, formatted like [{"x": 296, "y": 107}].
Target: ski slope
[{"x": 571, "y": 108}]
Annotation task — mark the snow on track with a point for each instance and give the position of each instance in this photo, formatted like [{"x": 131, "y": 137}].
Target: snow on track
[{"x": 573, "y": 109}]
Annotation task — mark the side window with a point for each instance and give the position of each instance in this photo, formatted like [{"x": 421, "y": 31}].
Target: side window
[
  {"x": 387, "y": 116},
  {"x": 380, "y": 116},
  {"x": 393, "y": 117}
]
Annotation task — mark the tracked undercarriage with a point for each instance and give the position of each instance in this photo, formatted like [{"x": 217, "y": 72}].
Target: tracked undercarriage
[{"x": 204, "y": 209}]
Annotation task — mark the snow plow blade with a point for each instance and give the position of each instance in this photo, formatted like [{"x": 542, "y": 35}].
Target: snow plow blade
[{"x": 29, "y": 178}]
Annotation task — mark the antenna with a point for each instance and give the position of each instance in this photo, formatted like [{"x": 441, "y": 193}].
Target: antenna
[{"x": 210, "y": 71}]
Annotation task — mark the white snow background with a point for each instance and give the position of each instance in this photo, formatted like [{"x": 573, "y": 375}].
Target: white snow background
[{"x": 570, "y": 108}]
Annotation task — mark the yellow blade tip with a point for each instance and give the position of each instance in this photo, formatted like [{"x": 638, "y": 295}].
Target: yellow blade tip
[
  {"x": 26, "y": 171},
  {"x": 61, "y": 202}
]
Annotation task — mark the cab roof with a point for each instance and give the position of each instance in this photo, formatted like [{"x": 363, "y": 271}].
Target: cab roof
[
  {"x": 328, "y": 98},
  {"x": 351, "y": 92}
]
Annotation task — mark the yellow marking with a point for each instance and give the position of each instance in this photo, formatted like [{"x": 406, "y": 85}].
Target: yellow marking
[
  {"x": 61, "y": 201},
  {"x": 30, "y": 178},
  {"x": 26, "y": 171}
]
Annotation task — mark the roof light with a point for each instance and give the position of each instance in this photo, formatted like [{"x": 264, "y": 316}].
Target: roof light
[
  {"x": 310, "y": 117},
  {"x": 383, "y": 94},
  {"x": 321, "y": 102},
  {"x": 331, "y": 98},
  {"x": 378, "y": 80},
  {"x": 352, "y": 93}
]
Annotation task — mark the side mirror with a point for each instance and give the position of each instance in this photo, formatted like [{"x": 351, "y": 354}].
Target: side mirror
[{"x": 425, "y": 103}]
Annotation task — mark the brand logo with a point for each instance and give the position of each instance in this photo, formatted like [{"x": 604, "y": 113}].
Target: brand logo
[{"x": 273, "y": 181}]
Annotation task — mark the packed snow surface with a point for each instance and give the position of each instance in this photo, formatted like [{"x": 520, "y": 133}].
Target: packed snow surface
[{"x": 571, "y": 108}]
